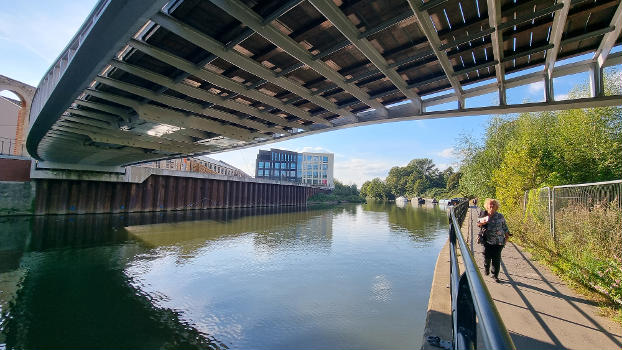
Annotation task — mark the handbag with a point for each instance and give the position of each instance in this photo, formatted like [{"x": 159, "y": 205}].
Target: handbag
[{"x": 481, "y": 236}]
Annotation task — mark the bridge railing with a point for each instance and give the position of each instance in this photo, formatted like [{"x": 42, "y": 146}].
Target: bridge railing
[
  {"x": 472, "y": 308},
  {"x": 56, "y": 71}
]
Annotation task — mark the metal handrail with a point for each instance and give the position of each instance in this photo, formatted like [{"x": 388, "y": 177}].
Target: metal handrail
[{"x": 471, "y": 303}]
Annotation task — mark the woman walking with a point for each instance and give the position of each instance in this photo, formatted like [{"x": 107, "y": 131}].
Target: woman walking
[{"x": 493, "y": 234}]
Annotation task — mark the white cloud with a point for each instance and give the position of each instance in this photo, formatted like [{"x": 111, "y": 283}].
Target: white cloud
[
  {"x": 561, "y": 97},
  {"x": 443, "y": 166},
  {"x": 536, "y": 87},
  {"x": 358, "y": 170},
  {"x": 447, "y": 153},
  {"x": 313, "y": 150}
]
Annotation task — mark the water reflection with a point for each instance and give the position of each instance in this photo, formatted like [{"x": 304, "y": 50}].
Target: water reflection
[
  {"x": 272, "y": 228},
  {"x": 245, "y": 278},
  {"x": 421, "y": 222}
]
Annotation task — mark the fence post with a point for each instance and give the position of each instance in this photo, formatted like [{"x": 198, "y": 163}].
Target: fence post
[{"x": 552, "y": 212}]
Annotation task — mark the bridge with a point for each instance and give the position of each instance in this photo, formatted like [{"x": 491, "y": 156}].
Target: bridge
[{"x": 147, "y": 80}]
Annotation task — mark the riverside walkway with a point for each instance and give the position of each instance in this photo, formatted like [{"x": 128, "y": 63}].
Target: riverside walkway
[{"x": 538, "y": 309}]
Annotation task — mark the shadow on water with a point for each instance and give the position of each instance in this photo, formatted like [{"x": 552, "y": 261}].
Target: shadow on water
[
  {"x": 272, "y": 228},
  {"x": 62, "y": 280},
  {"x": 51, "y": 297}
]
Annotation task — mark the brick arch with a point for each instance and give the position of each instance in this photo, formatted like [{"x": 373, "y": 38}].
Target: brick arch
[{"x": 25, "y": 93}]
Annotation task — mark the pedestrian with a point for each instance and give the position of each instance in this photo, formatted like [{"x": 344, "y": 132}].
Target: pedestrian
[{"x": 493, "y": 234}]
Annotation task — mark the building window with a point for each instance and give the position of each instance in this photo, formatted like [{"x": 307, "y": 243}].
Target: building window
[
  {"x": 325, "y": 159},
  {"x": 277, "y": 165}
]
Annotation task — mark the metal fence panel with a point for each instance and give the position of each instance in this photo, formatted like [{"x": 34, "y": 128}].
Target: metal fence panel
[{"x": 547, "y": 204}]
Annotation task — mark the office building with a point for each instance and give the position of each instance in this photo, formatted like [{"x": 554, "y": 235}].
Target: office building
[
  {"x": 277, "y": 164},
  {"x": 309, "y": 168},
  {"x": 317, "y": 169}
]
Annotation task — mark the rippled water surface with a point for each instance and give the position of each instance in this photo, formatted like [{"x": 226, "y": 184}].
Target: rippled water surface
[{"x": 344, "y": 277}]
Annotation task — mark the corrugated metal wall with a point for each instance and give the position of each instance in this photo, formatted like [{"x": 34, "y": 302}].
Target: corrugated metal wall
[{"x": 159, "y": 193}]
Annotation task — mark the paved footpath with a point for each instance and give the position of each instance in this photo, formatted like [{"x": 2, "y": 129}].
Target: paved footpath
[{"x": 538, "y": 309}]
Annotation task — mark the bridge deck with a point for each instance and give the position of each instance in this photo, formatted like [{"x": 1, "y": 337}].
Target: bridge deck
[
  {"x": 539, "y": 310},
  {"x": 150, "y": 80}
]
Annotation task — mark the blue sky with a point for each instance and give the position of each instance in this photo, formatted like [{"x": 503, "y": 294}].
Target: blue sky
[{"x": 34, "y": 33}]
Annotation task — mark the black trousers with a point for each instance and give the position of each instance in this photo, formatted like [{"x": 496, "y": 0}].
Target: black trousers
[{"x": 492, "y": 252}]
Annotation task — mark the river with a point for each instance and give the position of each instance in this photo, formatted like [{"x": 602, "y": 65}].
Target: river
[{"x": 348, "y": 277}]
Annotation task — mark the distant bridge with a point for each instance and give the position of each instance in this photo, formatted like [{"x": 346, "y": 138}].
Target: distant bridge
[{"x": 145, "y": 80}]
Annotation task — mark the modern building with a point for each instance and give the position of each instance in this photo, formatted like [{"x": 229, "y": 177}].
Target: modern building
[
  {"x": 277, "y": 164},
  {"x": 203, "y": 165},
  {"x": 309, "y": 168},
  {"x": 317, "y": 169}
]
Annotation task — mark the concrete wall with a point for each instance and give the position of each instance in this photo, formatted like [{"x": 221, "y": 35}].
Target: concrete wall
[{"x": 16, "y": 198}]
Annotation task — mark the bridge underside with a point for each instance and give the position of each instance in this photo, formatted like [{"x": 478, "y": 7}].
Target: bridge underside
[{"x": 153, "y": 80}]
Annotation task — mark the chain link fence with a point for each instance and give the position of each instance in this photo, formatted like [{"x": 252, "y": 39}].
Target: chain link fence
[
  {"x": 579, "y": 229},
  {"x": 549, "y": 205}
]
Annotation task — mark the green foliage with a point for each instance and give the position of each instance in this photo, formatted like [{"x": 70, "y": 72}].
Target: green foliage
[
  {"x": 420, "y": 177},
  {"x": 341, "y": 193},
  {"x": 587, "y": 249},
  {"x": 533, "y": 150},
  {"x": 548, "y": 148},
  {"x": 480, "y": 160},
  {"x": 376, "y": 189}
]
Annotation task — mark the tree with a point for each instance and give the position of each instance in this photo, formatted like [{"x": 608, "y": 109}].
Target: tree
[
  {"x": 479, "y": 160},
  {"x": 532, "y": 150},
  {"x": 453, "y": 181},
  {"x": 376, "y": 189}
]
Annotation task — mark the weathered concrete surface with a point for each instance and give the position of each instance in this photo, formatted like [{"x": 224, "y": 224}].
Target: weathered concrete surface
[
  {"x": 16, "y": 198},
  {"x": 438, "y": 318},
  {"x": 540, "y": 311}
]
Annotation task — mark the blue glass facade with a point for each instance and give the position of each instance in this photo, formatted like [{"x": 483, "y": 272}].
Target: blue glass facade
[{"x": 277, "y": 164}]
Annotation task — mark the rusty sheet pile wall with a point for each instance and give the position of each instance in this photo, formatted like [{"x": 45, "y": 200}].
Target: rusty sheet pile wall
[{"x": 162, "y": 193}]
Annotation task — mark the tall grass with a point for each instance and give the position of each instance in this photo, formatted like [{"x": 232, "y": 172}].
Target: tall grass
[{"x": 587, "y": 247}]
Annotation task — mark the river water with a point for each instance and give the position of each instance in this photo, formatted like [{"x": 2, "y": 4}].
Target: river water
[{"x": 351, "y": 277}]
